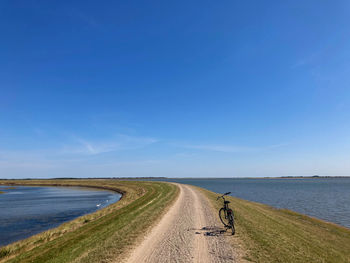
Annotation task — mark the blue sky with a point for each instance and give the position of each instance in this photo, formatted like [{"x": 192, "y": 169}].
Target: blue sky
[{"x": 177, "y": 89}]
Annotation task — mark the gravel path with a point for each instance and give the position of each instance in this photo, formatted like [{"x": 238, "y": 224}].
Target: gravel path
[{"x": 188, "y": 232}]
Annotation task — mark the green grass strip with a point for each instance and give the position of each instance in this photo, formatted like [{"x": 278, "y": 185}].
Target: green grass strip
[
  {"x": 110, "y": 236},
  {"x": 278, "y": 235}
]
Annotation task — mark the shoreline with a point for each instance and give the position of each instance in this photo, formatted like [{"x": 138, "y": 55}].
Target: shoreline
[
  {"x": 68, "y": 185},
  {"x": 165, "y": 178},
  {"x": 313, "y": 197},
  {"x": 50, "y": 219},
  {"x": 268, "y": 234},
  {"x": 263, "y": 233},
  {"x": 39, "y": 248}
]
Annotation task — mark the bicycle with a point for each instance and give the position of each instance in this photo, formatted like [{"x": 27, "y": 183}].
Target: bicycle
[{"x": 226, "y": 214}]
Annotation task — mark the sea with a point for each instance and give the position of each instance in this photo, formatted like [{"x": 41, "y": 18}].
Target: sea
[
  {"x": 324, "y": 198},
  {"x": 28, "y": 210}
]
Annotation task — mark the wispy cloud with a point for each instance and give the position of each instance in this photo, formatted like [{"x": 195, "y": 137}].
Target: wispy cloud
[
  {"x": 84, "y": 147},
  {"x": 73, "y": 154},
  {"x": 76, "y": 147},
  {"x": 219, "y": 148},
  {"x": 228, "y": 148},
  {"x": 117, "y": 143}
]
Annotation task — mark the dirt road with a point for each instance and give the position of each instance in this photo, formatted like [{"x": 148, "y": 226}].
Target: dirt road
[{"x": 189, "y": 232}]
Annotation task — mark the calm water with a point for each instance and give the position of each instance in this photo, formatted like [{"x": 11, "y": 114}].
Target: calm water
[
  {"x": 324, "y": 198},
  {"x": 26, "y": 210}
]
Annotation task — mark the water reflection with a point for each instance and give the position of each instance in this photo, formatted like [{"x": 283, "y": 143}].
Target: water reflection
[{"x": 28, "y": 210}]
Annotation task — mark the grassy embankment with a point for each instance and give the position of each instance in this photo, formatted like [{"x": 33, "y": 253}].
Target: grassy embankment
[
  {"x": 279, "y": 235},
  {"x": 104, "y": 236}
]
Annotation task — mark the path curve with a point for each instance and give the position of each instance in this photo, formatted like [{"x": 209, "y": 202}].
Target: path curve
[{"x": 188, "y": 232}]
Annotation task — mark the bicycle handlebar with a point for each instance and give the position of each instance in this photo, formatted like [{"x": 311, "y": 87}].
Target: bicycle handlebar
[{"x": 223, "y": 195}]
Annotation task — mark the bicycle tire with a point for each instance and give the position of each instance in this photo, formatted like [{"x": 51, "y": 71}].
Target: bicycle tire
[
  {"x": 233, "y": 229},
  {"x": 222, "y": 217},
  {"x": 231, "y": 221}
]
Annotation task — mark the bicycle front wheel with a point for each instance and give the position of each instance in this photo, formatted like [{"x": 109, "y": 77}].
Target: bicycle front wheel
[{"x": 223, "y": 217}]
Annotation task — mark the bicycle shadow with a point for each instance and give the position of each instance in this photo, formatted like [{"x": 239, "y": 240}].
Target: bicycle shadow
[{"x": 213, "y": 231}]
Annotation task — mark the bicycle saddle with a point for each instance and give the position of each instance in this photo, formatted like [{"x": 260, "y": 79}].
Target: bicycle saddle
[{"x": 227, "y": 202}]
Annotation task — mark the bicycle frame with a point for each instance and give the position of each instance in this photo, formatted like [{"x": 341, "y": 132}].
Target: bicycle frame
[{"x": 226, "y": 208}]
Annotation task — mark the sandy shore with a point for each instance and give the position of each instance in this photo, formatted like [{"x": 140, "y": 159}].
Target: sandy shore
[{"x": 188, "y": 232}]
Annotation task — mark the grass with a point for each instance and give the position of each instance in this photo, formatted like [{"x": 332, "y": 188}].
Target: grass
[
  {"x": 104, "y": 236},
  {"x": 278, "y": 235},
  {"x": 263, "y": 233}
]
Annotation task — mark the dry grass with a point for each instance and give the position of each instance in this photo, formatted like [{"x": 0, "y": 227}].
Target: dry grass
[
  {"x": 104, "y": 236},
  {"x": 274, "y": 235}
]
